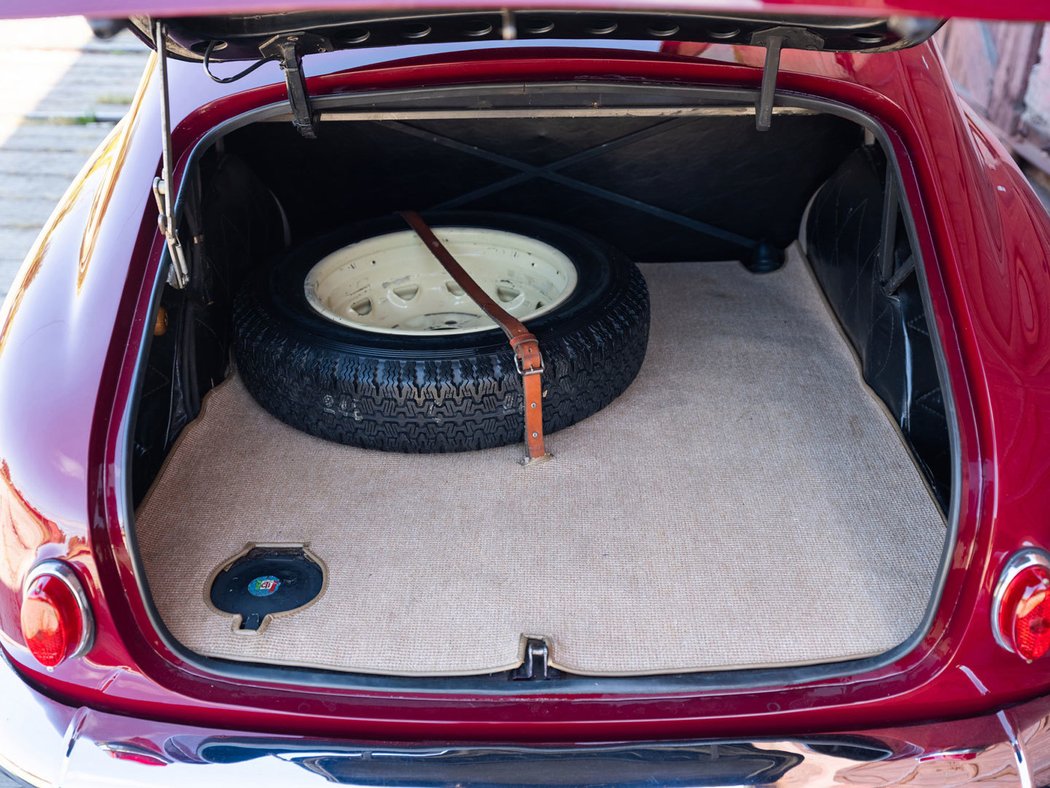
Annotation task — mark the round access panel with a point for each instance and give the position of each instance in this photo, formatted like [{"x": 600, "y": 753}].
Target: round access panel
[{"x": 267, "y": 581}]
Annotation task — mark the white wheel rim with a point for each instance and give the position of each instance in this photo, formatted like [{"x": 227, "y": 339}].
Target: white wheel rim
[{"x": 391, "y": 284}]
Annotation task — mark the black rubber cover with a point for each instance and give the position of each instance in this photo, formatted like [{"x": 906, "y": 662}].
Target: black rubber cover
[
  {"x": 446, "y": 392},
  {"x": 266, "y": 581}
]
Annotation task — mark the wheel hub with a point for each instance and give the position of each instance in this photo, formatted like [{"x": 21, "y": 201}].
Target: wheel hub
[{"x": 391, "y": 284}]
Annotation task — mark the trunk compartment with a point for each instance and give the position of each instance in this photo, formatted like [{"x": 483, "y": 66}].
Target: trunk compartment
[{"x": 771, "y": 491}]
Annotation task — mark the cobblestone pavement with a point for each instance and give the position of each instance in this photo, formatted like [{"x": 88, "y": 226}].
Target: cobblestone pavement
[{"x": 63, "y": 91}]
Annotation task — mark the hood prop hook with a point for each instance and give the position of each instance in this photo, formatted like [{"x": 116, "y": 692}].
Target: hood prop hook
[{"x": 164, "y": 186}]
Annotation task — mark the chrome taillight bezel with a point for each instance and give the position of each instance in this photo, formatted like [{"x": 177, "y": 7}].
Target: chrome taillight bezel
[
  {"x": 1019, "y": 561},
  {"x": 62, "y": 571}
]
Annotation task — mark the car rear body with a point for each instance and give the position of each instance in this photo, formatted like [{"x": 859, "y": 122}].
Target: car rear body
[
  {"x": 50, "y": 743},
  {"x": 83, "y": 301}
]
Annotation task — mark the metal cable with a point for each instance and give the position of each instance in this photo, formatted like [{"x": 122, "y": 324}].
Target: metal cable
[{"x": 226, "y": 80}]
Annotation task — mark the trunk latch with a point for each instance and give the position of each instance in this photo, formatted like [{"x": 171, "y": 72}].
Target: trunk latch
[{"x": 536, "y": 665}]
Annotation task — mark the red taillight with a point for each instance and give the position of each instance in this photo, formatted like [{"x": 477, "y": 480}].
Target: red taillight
[
  {"x": 1021, "y": 607},
  {"x": 56, "y": 621}
]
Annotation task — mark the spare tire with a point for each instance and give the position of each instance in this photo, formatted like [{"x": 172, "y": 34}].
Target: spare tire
[{"x": 331, "y": 339}]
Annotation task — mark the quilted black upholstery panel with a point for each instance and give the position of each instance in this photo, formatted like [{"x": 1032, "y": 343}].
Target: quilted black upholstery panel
[{"x": 888, "y": 330}]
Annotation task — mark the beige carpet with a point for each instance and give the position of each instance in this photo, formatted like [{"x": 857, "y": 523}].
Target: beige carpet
[{"x": 745, "y": 503}]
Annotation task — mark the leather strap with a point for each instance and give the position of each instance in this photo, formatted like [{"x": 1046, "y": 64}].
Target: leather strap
[{"x": 523, "y": 342}]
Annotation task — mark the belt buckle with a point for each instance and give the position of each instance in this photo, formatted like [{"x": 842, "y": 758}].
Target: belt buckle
[{"x": 519, "y": 365}]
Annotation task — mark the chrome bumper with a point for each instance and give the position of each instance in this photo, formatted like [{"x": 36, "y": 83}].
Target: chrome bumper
[{"x": 44, "y": 742}]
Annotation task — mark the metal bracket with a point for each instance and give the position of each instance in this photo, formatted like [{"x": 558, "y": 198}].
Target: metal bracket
[
  {"x": 774, "y": 39},
  {"x": 764, "y": 109},
  {"x": 289, "y": 50},
  {"x": 536, "y": 665},
  {"x": 164, "y": 185}
]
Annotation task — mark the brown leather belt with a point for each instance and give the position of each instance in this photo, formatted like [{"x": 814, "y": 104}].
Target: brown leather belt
[{"x": 523, "y": 342}]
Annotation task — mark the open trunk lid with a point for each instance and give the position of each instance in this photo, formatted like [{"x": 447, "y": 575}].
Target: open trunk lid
[
  {"x": 243, "y": 27},
  {"x": 838, "y": 19},
  {"x": 247, "y": 37}
]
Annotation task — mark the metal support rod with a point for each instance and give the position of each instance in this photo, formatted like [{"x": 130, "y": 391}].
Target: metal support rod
[
  {"x": 165, "y": 184},
  {"x": 764, "y": 111},
  {"x": 546, "y": 172},
  {"x": 513, "y": 180}
]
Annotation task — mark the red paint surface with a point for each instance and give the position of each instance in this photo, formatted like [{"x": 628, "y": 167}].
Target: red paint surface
[{"x": 83, "y": 306}]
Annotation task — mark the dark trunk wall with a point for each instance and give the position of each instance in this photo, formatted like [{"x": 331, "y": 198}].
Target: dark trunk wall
[
  {"x": 658, "y": 189},
  {"x": 863, "y": 259}
]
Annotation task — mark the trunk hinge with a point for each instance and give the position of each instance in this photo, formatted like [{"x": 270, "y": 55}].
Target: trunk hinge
[
  {"x": 164, "y": 185},
  {"x": 289, "y": 49},
  {"x": 774, "y": 39}
]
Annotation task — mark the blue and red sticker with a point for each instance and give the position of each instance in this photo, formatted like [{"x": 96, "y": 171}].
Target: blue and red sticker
[{"x": 265, "y": 585}]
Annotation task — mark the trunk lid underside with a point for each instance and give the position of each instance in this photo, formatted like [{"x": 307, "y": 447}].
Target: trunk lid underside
[{"x": 226, "y": 38}]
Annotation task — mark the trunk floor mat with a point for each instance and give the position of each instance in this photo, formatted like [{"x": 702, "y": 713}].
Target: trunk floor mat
[{"x": 747, "y": 502}]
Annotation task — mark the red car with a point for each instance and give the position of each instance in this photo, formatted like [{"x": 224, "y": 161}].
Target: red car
[{"x": 775, "y": 336}]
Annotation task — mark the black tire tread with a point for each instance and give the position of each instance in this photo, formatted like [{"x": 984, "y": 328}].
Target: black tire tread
[
  {"x": 439, "y": 393},
  {"x": 437, "y": 405}
]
